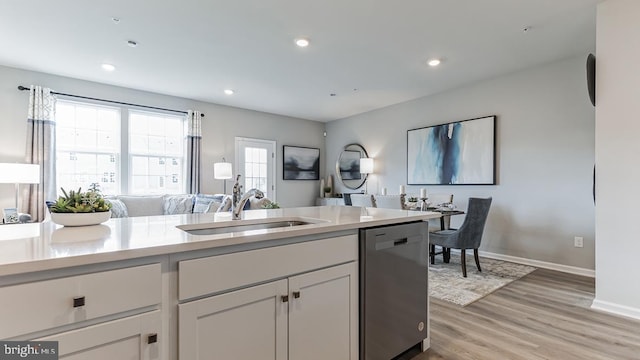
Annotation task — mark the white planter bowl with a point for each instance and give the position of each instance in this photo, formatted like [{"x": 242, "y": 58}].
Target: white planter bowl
[{"x": 80, "y": 219}]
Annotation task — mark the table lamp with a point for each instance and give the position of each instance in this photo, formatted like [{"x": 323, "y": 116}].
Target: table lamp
[
  {"x": 17, "y": 174},
  {"x": 366, "y": 167},
  {"x": 223, "y": 171}
]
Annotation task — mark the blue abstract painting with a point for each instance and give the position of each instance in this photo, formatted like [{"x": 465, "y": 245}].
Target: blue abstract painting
[{"x": 458, "y": 153}]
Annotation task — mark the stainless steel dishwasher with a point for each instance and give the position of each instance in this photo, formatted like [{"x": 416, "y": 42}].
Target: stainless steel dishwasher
[{"x": 393, "y": 289}]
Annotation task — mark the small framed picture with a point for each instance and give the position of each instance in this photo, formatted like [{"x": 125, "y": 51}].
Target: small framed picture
[{"x": 10, "y": 215}]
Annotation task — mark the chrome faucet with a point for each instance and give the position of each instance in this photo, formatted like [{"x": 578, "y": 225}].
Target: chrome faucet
[{"x": 236, "y": 197}]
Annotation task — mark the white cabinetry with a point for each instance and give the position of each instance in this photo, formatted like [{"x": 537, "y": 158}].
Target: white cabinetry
[
  {"x": 98, "y": 315},
  {"x": 132, "y": 338},
  {"x": 244, "y": 324},
  {"x": 309, "y": 311},
  {"x": 323, "y": 314}
]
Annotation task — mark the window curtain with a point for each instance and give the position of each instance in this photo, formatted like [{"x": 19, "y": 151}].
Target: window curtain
[
  {"x": 194, "y": 145},
  {"x": 41, "y": 135}
]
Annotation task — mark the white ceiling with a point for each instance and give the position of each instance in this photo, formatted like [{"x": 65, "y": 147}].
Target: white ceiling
[{"x": 197, "y": 48}]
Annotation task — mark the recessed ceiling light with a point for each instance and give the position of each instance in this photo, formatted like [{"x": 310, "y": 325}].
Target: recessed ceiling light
[
  {"x": 434, "y": 62},
  {"x": 115, "y": 20},
  {"x": 132, "y": 43},
  {"x": 302, "y": 42},
  {"x": 228, "y": 91},
  {"x": 108, "y": 67}
]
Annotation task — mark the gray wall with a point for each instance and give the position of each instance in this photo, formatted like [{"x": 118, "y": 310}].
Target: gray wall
[
  {"x": 617, "y": 149},
  {"x": 220, "y": 127},
  {"x": 545, "y": 157}
]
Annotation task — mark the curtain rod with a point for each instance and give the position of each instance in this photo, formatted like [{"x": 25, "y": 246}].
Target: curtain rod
[{"x": 22, "y": 88}]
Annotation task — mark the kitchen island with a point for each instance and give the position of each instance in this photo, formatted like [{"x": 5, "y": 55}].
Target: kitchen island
[{"x": 145, "y": 286}]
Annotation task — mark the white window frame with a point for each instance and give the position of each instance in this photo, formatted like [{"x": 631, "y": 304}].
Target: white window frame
[
  {"x": 119, "y": 155},
  {"x": 124, "y": 160},
  {"x": 130, "y": 154}
]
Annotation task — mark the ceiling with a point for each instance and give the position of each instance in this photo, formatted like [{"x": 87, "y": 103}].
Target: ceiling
[{"x": 369, "y": 53}]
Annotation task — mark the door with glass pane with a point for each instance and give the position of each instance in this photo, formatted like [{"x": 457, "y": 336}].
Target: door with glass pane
[{"x": 255, "y": 162}]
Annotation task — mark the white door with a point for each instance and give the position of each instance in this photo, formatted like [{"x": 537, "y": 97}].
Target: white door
[
  {"x": 131, "y": 338},
  {"x": 323, "y": 314},
  {"x": 245, "y": 324},
  {"x": 256, "y": 163}
]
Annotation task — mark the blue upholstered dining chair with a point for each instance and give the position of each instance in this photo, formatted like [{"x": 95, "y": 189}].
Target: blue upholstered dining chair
[{"x": 468, "y": 236}]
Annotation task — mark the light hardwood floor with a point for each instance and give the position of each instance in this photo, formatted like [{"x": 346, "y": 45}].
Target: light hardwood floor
[{"x": 544, "y": 315}]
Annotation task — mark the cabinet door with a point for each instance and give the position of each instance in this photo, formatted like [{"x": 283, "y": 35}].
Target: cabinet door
[
  {"x": 245, "y": 324},
  {"x": 124, "y": 339},
  {"x": 323, "y": 314}
]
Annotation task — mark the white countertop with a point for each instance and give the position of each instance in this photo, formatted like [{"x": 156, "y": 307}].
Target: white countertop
[{"x": 44, "y": 246}]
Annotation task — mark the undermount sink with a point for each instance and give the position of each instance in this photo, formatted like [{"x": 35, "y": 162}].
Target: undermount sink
[{"x": 245, "y": 225}]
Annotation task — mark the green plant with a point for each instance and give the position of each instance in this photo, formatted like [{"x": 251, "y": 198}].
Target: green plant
[
  {"x": 81, "y": 202},
  {"x": 271, "y": 205},
  {"x": 327, "y": 189}
]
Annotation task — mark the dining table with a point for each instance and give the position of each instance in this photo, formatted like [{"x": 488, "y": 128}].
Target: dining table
[{"x": 446, "y": 212}]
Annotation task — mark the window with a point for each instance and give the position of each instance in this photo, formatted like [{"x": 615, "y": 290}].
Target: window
[
  {"x": 124, "y": 151},
  {"x": 156, "y": 153},
  {"x": 87, "y": 146}
]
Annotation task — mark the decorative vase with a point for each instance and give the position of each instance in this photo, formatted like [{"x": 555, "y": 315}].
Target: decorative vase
[
  {"x": 321, "y": 188},
  {"x": 330, "y": 184},
  {"x": 80, "y": 219}
]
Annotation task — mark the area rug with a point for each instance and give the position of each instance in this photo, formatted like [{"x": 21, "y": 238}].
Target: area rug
[{"x": 446, "y": 281}]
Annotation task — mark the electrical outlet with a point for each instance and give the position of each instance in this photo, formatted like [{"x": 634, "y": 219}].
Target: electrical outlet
[{"x": 577, "y": 241}]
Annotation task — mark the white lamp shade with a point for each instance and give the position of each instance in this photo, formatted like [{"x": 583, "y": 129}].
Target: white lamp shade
[
  {"x": 222, "y": 170},
  {"x": 366, "y": 165},
  {"x": 11, "y": 173}
]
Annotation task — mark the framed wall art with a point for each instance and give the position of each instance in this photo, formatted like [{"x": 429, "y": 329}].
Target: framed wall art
[
  {"x": 456, "y": 153},
  {"x": 349, "y": 165},
  {"x": 301, "y": 163}
]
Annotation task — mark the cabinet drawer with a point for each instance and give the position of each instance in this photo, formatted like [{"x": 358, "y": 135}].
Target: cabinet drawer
[
  {"x": 50, "y": 303},
  {"x": 215, "y": 274},
  {"x": 127, "y": 338}
]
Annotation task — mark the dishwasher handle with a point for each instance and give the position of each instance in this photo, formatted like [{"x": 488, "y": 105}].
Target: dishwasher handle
[{"x": 389, "y": 243}]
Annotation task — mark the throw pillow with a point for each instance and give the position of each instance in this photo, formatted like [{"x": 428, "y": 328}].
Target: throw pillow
[
  {"x": 146, "y": 205},
  {"x": 203, "y": 203},
  {"x": 118, "y": 209},
  {"x": 178, "y": 204},
  {"x": 258, "y": 203},
  {"x": 225, "y": 205}
]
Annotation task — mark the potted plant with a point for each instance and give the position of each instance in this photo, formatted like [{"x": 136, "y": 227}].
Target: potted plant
[
  {"x": 77, "y": 208},
  {"x": 327, "y": 191},
  {"x": 271, "y": 205}
]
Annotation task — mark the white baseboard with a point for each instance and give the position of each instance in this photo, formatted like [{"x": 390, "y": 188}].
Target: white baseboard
[
  {"x": 617, "y": 309},
  {"x": 540, "y": 264},
  {"x": 599, "y": 305}
]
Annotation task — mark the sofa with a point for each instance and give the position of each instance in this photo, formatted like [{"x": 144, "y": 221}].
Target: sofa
[{"x": 171, "y": 204}]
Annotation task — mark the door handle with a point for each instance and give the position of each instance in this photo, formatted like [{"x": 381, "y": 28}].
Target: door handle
[
  {"x": 152, "y": 338},
  {"x": 296, "y": 294},
  {"x": 285, "y": 298}
]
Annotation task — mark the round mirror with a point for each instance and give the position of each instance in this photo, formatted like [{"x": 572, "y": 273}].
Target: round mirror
[{"x": 348, "y": 166}]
